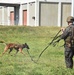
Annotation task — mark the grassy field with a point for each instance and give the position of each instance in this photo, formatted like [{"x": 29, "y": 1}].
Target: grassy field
[{"x": 50, "y": 63}]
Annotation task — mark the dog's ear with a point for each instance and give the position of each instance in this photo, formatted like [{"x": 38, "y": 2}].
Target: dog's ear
[{"x": 25, "y": 43}]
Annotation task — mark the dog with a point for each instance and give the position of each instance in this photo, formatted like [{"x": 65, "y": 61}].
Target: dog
[{"x": 17, "y": 47}]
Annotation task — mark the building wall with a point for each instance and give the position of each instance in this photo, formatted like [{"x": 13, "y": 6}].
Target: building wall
[
  {"x": 0, "y": 15},
  {"x": 48, "y": 14},
  {"x": 5, "y": 16},
  {"x": 31, "y": 14},
  {"x": 24, "y": 7}
]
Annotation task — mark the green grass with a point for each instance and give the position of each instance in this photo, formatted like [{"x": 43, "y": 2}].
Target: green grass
[{"x": 50, "y": 63}]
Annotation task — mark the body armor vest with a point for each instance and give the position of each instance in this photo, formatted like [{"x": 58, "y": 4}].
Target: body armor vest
[{"x": 70, "y": 39}]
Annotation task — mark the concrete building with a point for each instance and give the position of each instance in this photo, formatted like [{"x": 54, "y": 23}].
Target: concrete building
[{"x": 35, "y": 12}]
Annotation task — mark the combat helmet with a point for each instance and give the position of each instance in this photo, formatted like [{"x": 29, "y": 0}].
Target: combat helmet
[{"x": 70, "y": 18}]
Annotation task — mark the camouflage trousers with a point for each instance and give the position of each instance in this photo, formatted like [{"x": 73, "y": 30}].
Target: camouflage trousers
[{"x": 69, "y": 53}]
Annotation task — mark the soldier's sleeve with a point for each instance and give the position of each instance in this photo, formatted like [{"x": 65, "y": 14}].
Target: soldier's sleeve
[{"x": 65, "y": 33}]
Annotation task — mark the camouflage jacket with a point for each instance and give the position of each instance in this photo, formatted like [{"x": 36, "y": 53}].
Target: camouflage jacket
[{"x": 67, "y": 34}]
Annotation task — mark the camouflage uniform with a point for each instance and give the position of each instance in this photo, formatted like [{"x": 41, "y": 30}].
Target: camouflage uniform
[{"x": 69, "y": 49}]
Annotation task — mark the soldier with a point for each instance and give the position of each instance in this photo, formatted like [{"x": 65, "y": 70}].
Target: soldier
[{"x": 68, "y": 36}]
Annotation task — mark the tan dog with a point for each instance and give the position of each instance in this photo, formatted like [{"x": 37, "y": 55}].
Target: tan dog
[{"x": 17, "y": 47}]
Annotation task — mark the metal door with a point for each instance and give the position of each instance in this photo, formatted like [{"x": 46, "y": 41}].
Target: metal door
[
  {"x": 25, "y": 17},
  {"x": 12, "y": 17}
]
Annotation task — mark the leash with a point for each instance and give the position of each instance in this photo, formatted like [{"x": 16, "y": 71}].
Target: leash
[
  {"x": 48, "y": 46},
  {"x": 42, "y": 52},
  {"x": 30, "y": 56}
]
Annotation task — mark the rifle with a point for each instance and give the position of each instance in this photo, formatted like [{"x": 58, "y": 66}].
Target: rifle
[{"x": 55, "y": 37}]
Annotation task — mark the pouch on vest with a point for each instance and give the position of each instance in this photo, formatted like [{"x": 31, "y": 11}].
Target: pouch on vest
[{"x": 68, "y": 42}]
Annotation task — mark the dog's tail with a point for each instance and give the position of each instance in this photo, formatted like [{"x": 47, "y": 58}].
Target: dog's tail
[{"x": 2, "y": 42}]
